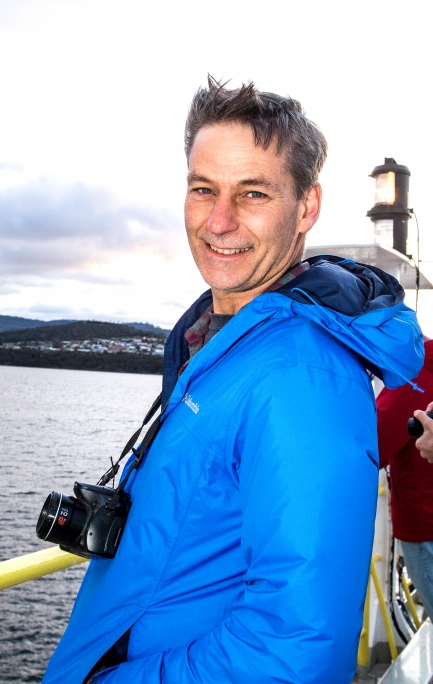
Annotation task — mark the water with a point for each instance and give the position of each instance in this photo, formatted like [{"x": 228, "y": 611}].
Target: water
[{"x": 56, "y": 426}]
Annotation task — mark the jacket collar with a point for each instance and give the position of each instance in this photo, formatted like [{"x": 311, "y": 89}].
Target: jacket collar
[{"x": 333, "y": 292}]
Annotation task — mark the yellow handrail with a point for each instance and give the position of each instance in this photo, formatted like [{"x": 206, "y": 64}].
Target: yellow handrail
[
  {"x": 410, "y": 602},
  {"x": 382, "y": 605},
  {"x": 363, "y": 659},
  {"x": 363, "y": 654},
  {"x": 34, "y": 565}
]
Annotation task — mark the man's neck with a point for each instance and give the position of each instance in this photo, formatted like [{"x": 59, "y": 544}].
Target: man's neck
[{"x": 229, "y": 303}]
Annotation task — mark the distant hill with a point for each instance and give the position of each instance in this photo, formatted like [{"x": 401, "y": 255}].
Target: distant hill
[
  {"x": 18, "y": 323},
  {"x": 148, "y": 327},
  {"x": 10, "y": 323},
  {"x": 78, "y": 330}
]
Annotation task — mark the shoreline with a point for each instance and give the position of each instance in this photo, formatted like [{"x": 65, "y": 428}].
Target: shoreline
[{"x": 114, "y": 363}]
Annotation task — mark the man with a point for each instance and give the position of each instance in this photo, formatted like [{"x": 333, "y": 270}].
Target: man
[
  {"x": 411, "y": 478},
  {"x": 246, "y": 552}
]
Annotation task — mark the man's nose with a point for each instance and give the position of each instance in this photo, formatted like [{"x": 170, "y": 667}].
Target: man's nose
[{"x": 223, "y": 217}]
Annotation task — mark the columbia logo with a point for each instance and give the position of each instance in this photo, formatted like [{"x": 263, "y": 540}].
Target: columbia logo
[{"x": 189, "y": 402}]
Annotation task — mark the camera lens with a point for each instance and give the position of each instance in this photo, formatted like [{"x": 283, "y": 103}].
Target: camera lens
[
  {"x": 62, "y": 519},
  {"x": 414, "y": 428}
]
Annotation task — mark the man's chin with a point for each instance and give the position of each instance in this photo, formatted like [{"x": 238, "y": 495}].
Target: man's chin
[{"x": 228, "y": 286}]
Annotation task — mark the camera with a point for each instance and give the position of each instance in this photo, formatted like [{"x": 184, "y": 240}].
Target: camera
[
  {"x": 89, "y": 523},
  {"x": 415, "y": 428}
]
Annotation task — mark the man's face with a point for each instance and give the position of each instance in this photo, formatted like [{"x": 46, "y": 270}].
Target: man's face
[{"x": 243, "y": 222}]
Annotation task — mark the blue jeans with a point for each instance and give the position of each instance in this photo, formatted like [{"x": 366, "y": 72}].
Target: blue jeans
[{"x": 418, "y": 558}]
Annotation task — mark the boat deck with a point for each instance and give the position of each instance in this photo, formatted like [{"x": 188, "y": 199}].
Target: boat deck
[{"x": 414, "y": 665}]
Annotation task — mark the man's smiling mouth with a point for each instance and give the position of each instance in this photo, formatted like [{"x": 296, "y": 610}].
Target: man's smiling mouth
[{"x": 229, "y": 251}]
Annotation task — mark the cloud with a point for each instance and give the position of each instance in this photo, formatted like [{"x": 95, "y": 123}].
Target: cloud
[
  {"x": 8, "y": 288},
  {"x": 177, "y": 305},
  {"x": 52, "y": 310},
  {"x": 10, "y": 167},
  {"x": 49, "y": 230}
]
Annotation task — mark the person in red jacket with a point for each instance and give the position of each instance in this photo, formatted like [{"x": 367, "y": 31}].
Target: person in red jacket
[{"x": 411, "y": 477}]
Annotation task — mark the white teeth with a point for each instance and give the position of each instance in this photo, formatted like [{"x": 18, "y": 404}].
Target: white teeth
[{"x": 228, "y": 251}]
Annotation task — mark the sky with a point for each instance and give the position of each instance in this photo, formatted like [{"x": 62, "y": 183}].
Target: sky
[{"x": 93, "y": 100}]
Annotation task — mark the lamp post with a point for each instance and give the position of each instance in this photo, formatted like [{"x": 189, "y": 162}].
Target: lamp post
[
  {"x": 390, "y": 213},
  {"x": 390, "y": 216}
]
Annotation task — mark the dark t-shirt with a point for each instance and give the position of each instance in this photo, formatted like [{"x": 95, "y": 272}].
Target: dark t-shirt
[{"x": 217, "y": 322}]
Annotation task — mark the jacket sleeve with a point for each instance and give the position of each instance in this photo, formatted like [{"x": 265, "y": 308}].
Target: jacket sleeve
[
  {"x": 307, "y": 476},
  {"x": 394, "y": 408}
]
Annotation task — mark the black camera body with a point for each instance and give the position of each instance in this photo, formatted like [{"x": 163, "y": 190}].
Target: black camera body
[
  {"x": 415, "y": 427},
  {"x": 89, "y": 523}
]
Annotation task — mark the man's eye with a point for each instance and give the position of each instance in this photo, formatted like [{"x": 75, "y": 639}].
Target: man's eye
[
  {"x": 255, "y": 194},
  {"x": 204, "y": 191}
]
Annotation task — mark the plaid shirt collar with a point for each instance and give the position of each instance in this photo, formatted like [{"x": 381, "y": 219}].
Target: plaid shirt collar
[{"x": 195, "y": 335}]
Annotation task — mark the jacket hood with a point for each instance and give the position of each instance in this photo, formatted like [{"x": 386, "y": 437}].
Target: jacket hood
[
  {"x": 344, "y": 286},
  {"x": 361, "y": 305}
]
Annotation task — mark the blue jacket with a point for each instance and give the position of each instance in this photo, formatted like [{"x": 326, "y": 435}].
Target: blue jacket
[{"x": 246, "y": 553}]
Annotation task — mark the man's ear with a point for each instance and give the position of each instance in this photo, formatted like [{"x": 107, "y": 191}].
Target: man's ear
[{"x": 310, "y": 208}]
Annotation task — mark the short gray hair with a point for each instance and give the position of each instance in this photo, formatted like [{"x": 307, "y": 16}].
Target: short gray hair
[{"x": 270, "y": 116}]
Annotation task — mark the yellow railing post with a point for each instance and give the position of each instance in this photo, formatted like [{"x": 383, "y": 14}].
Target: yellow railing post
[
  {"x": 37, "y": 564},
  {"x": 382, "y": 605},
  {"x": 363, "y": 660},
  {"x": 410, "y": 602},
  {"x": 363, "y": 655}
]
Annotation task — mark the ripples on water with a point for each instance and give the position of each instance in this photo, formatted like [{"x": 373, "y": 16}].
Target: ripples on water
[{"x": 56, "y": 426}]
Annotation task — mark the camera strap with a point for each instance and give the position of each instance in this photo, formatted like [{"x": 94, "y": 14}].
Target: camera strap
[
  {"x": 129, "y": 446},
  {"x": 139, "y": 455}
]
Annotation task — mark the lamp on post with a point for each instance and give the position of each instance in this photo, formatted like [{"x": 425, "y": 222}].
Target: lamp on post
[{"x": 390, "y": 213}]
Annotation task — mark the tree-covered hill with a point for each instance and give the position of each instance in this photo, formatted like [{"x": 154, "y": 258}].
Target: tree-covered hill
[
  {"x": 9, "y": 323},
  {"x": 77, "y": 330},
  {"x": 19, "y": 323}
]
